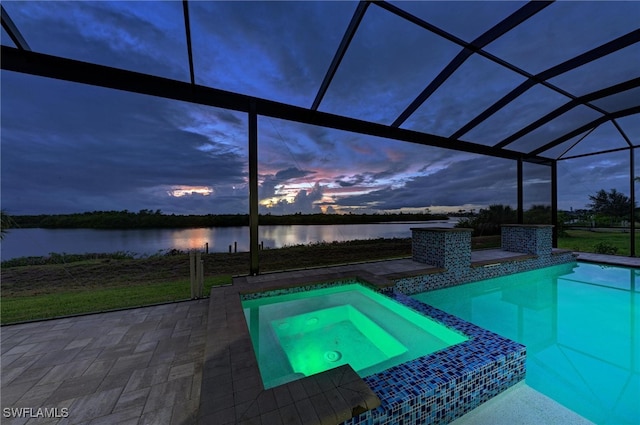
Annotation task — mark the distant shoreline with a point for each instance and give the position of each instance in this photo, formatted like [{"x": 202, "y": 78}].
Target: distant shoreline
[{"x": 147, "y": 219}]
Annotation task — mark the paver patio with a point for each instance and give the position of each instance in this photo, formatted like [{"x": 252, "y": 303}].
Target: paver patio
[{"x": 139, "y": 366}]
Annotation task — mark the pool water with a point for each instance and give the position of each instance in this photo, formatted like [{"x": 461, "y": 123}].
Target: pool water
[
  {"x": 581, "y": 326},
  {"x": 304, "y": 333},
  {"x": 325, "y": 331}
]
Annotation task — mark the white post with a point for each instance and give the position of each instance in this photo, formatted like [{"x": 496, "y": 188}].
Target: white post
[
  {"x": 192, "y": 270},
  {"x": 200, "y": 284}
]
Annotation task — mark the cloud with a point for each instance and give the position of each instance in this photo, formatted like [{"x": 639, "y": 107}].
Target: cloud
[
  {"x": 292, "y": 173},
  {"x": 305, "y": 202},
  {"x": 103, "y": 155},
  {"x": 350, "y": 181},
  {"x": 270, "y": 182},
  {"x": 478, "y": 181}
]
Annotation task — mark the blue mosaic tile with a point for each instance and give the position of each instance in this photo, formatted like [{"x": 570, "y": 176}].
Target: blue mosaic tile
[
  {"x": 445, "y": 385},
  {"x": 536, "y": 239}
]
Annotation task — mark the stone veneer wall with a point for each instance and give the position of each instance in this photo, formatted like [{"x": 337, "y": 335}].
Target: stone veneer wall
[
  {"x": 444, "y": 248},
  {"x": 529, "y": 240}
]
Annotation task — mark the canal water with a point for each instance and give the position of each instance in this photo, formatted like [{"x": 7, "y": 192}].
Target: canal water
[{"x": 39, "y": 242}]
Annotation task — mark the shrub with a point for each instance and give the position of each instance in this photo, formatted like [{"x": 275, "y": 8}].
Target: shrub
[{"x": 605, "y": 248}]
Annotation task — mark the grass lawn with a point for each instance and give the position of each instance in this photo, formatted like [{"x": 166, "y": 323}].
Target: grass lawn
[
  {"x": 586, "y": 241},
  {"x": 64, "y": 303},
  {"x": 65, "y": 285}
]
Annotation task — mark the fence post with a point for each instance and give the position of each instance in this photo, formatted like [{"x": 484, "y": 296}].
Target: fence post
[
  {"x": 192, "y": 272},
  {"x": 200, "y": 272}
]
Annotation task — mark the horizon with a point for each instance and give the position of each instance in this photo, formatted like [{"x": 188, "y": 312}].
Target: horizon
[{"x": 472, "y": 211}]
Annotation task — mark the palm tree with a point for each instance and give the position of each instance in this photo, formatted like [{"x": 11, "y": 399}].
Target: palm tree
[{"x": 5, "y": 223}]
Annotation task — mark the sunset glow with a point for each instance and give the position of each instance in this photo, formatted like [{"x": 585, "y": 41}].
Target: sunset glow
[{"x": 181, "y": 191}]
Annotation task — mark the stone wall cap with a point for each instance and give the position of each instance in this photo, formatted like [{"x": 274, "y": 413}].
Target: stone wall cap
[{"x": 442, "y": 229}]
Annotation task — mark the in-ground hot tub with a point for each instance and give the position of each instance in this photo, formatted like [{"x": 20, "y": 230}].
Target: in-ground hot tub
[{"x": 303, "y": 333}]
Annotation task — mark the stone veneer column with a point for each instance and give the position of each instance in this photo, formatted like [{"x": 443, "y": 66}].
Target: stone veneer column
[
  {"x": 533, "y": 239},
  {"x": 442, "y": 247}
]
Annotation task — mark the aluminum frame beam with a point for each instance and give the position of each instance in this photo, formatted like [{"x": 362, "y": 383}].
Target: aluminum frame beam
[
  {"x": 554, "y": 204},
  {"x": 13, "y": 31},
  {"x": 520, "y": 190},
  {"x": 632, "y": 218},
  {"x": 498, "y": 30},
  {"x": 594, "y": 153},
  {"x": 618, "y": 88},
  {"x": 358, "y": 14},
  {"x": 610, "y": 117},
  {"x": 103, "y": 76},
  {"x": 540, "y": 78},
  {"x": 254, "y": 262},
  {"x": 187, "y": 28}
]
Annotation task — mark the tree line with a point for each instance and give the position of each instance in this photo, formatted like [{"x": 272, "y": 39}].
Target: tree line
[
  {"x": 148, "y": 219},
  {"x": 489, "y": 221},
  {"x": 606, "y": 209}
]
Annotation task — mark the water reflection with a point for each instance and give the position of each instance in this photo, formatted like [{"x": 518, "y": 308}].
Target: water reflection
[{"x": 39, "y": 242}]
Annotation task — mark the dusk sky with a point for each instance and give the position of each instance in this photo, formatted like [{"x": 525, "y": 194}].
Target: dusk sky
[{"x": 68, "y": 147}]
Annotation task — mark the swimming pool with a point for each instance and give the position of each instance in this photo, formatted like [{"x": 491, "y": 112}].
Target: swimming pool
[
  {"x": 303, "y": 333},
  {"x": 581, "y": 326}
]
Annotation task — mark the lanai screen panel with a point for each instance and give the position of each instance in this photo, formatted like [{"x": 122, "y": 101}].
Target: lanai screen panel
[
  {"x": 619, "y": 101},
  {"x": 472, "y": 18},
  {"x": 564, "y": 30},
  {"x": 555, "y": 128},
  {"x": 580, "y": 178},
  {"x": 273, "y": 50},
  {"x": 536, "y": 181},
  {"x": 524, "y": 110},
  {"x": 605, "y": 136},
  {"x": 631, "y": 127},
  {"x": 475, "y": 86},
  {"x": 5, "y": 39},
  {"x": 125, "y": 152},
  {"x": 600, "y": 73},
  {"x": 147, "y": 37},
  {"x": 387, "y": 64}
]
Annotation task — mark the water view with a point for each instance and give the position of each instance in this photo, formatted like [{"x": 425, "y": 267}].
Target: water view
[{"x": 39, "y": 242}]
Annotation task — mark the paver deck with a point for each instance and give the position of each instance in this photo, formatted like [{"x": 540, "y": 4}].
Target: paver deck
[
  {"x": 138, "y": 366},
  {"x": 145, "y": 365}
]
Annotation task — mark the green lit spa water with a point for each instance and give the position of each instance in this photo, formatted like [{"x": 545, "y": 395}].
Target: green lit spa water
[
  {"x": 301, "y": 334},
  {"x": 581, "y": 327}
]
